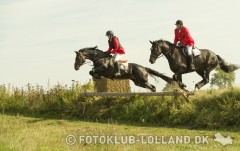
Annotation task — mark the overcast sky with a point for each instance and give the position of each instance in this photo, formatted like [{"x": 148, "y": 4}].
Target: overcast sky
[{"x": 38, "y": 37}]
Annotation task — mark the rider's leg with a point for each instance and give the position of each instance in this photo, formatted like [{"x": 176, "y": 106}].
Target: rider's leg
[
  {"x": 190, "y": 58},
  {"x": 117, "y": 57}
]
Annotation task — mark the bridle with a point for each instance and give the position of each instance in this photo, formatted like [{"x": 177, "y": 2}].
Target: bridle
[
  {"x": 86, "y": 62},
  {"x": 156, "y": 57},
  {"x": 162, "y": 54}
]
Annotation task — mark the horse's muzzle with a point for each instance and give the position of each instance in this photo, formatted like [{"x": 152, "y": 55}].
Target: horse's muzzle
[
  {"x": 152, "y": 61},
  {"x": 76, "y": 67}
]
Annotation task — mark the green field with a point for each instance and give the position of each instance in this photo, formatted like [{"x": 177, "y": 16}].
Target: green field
[{"x": 24, "y": 133}]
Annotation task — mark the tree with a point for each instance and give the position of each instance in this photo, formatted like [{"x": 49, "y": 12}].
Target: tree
[{"x": 222, "y": 79}]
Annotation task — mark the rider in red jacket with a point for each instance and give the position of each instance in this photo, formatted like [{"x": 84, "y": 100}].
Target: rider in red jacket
[
  {"x": 115, "y": 48},
  {"x": 183, "y": 38}
]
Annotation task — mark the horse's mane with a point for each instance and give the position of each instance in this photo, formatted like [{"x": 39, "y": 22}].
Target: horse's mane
[
  {"x": 162, "y": 40},
  {"x": 90, "y": 48},
  {"x": 168, "y": 43}
]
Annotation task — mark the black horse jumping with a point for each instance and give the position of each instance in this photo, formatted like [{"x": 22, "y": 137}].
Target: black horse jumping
[
  {"x": 204, "y": 63},
  {"x": 104, "y": 66}
]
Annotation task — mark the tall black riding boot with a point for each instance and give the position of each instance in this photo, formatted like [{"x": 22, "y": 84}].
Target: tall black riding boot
[
  {"x": 117, "y": 68},
  {"x": 190, "y": 61}
]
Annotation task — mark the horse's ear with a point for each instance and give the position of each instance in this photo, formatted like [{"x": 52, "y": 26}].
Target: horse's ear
[
  {"x": 76, "y": 52},
  {"x": 152, "y": 42}
]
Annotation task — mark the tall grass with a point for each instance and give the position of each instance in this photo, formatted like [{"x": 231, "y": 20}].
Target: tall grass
[
  {"x": 208, "y": 109},
  {"x": 35, "y": 101}
]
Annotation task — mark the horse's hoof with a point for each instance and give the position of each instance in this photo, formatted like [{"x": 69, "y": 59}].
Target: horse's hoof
[
  {"x": 117, "y": 75},
  {"x": 186, "y": 90},
  {"x": 184, "y": 85},
  {"x": 174, "y": 83},
  {"x": 196, "y": 90},
  {"x": 97, "y": 77}
]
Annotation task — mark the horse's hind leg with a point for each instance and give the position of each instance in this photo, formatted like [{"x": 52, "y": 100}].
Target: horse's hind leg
[
  {"x": 150, "y": 86},
  {"x": 144, "y": 85},
  {"x": 205, "y": 76},
  {"x": 140, "y": 78}
]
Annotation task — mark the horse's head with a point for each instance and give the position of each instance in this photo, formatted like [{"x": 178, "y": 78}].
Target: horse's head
[
  {"x": 156, "y": 51},
  {"x": 158, "y": 48},
  {"x": 79, "y": 60},
  {"x": 91, "y": 53}
]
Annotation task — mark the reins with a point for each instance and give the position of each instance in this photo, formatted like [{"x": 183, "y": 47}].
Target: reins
[{"x": 87, "y": 62}]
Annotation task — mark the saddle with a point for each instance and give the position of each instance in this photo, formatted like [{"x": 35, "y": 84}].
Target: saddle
[
  {"x": 123, "y": 64},
  {"x": 195, "y": 50},
  {"x": 122, "y": 61}
]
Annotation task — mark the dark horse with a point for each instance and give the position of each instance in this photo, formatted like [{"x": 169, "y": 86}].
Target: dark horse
[
  {"x": 104, "y": 66},
  {"x": 204, "y": 63}
]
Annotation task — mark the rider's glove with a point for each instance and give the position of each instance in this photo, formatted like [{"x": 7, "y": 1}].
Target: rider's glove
[{"x": 179, "y": 44}]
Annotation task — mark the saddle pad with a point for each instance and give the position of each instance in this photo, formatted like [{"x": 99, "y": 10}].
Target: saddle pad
[
  {"x": 124, "y": 66},
  {"x": 196, "y": 52}
]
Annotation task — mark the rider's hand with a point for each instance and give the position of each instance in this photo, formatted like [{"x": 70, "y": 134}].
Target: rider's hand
[
  {"x": 179, "y": 44},
  {"x": 107, "y": 52}
]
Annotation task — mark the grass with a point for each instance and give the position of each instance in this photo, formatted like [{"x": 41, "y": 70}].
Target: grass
[{"x": 27, "y": 134}]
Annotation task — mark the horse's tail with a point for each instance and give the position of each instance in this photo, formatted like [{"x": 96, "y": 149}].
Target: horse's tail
[
  {"x": 226, "y": 67},
  {"x": 155, "y": 73}
]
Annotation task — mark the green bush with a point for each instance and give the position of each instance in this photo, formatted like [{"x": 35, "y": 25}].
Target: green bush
[{"x": 208, "y": 109}]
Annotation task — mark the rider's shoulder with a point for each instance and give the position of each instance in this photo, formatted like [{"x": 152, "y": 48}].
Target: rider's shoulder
[{"x": 184, "y": 28}]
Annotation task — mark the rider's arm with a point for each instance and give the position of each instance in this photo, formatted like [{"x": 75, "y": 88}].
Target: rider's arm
[
  {"x": 109, "y": 48},
  {"x": 186, "y": 36},
  {"x": 115, "y": 41},
  {"x": 175, "y": 39}
]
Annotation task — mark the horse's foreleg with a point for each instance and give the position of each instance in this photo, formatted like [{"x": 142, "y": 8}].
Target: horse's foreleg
[
  {"x": 94, "y": 75},
  {"x": 178, "y": 78},
  {"x": 99, "y": 69},
  {"x": 96, "y": 72}
]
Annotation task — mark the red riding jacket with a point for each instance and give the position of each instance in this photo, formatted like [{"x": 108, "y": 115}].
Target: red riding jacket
[
  {"x": 115, "y": 46},
  {"x": 183, "y": 35}
]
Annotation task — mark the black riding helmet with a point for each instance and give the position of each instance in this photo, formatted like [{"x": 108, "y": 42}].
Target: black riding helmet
[
  {"x": 179, "y": 22},
  {"x": 109, "y": 33}
]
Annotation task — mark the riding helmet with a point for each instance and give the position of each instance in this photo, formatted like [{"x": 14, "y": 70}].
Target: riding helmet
[
  {"x": 179, "y": 22},
  {"x": 109, "y": 33}
]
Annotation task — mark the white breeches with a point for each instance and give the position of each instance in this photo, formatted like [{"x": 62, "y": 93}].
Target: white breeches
[
  {"x": 117, "y": 56},
  {"x": 189, "y": 49}
]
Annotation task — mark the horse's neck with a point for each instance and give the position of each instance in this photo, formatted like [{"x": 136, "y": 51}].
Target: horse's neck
[
  {"x": 99, "y": 55},
  {"x": 172, "y": 55}
]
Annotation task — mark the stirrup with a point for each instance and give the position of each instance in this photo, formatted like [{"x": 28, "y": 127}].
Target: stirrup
[
  {"x": 117, "y": 74},
  {"x": 192, "y": 67}
]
